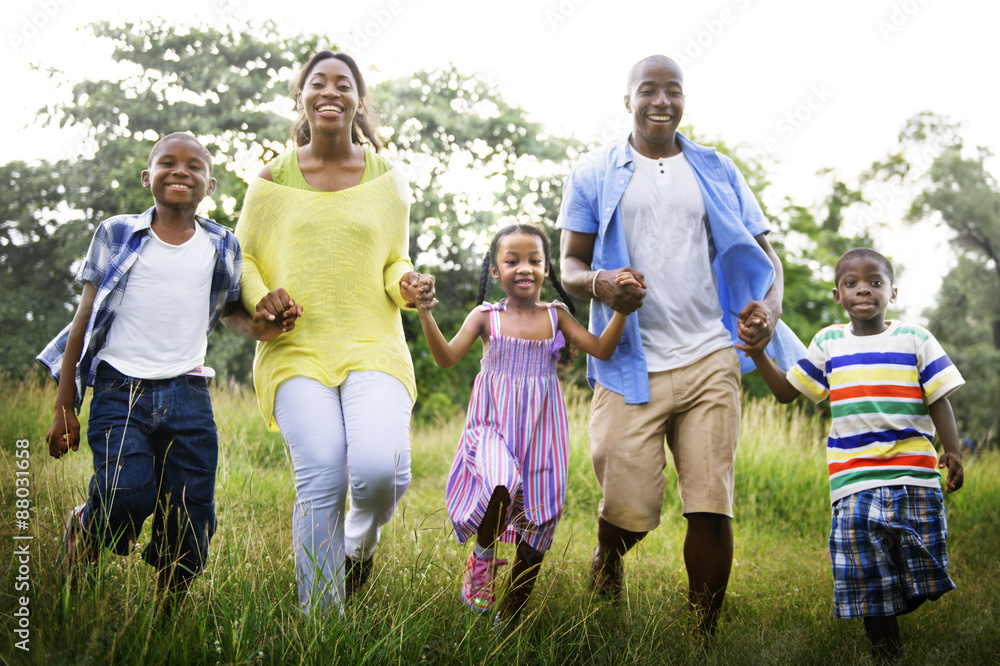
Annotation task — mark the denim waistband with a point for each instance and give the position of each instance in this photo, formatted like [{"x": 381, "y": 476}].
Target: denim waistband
[{"x": 105, "y": 369}]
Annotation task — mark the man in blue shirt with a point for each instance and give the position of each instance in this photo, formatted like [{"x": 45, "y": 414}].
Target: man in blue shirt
[{"x": 680, "y": 218}]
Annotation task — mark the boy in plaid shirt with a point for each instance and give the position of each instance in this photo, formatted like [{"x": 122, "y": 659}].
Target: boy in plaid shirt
[{"x": 154, "y": 286}]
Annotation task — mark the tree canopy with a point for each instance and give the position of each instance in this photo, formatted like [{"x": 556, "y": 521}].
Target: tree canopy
[
  {"x": 475, "y": 162},
  {"x": 956, "y": 189}
]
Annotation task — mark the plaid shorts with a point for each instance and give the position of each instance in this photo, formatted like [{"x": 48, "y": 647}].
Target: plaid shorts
[{"x": 888, "y": 551}]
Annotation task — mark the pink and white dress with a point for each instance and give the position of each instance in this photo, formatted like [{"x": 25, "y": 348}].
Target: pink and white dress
[{"x": 516, "y": 435}]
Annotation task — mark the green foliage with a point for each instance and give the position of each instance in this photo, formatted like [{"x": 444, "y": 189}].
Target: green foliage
[
  {"x": 963, "y": 321},
  {"x": 958, "y": 190},
  {"x": 244, "y": 608},
  {"x": 37, "y": 253},
  {"x": 222, "y": 85},
  {"x": 476, "y": 163}
]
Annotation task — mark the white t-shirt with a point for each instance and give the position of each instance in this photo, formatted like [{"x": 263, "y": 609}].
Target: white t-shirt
[
  {"x": 670, "y": 242},
  {"x": 161, "y": 329}
]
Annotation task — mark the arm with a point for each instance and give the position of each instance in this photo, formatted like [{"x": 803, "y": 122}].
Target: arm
[
  {"x": 604, "y": 346},
  {"x": 944, "y": 421},
  {"x": 757, "y": 318},
  {"x": 275, "y": 314},
  {"x": 447, "y": 354},
  {"x": 774, "y": 377},
  {"x": 64, "y": 434},
  {"x": 599, "y": 347},
  {"x": 576, "y": 253}
]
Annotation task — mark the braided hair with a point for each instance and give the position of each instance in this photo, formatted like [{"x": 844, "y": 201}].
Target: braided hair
[
  {"x": 362, "y": 126},
  {"x": 490, "y": 260}
]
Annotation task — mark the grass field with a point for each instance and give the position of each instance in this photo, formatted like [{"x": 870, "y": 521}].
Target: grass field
[{"x": 244, "y": 610}]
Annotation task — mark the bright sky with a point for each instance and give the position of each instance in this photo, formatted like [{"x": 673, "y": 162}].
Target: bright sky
[{"x": 814, "y": 85}]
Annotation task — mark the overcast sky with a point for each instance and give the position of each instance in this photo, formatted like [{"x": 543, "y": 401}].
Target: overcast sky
[{"x": 812, "y": 84}]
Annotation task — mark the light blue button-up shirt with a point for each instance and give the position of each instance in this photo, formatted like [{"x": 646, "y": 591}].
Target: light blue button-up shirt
[{"x": 592, "y": 204}]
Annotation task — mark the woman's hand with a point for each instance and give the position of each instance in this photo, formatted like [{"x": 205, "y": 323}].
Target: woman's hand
[{"x": 417, "y": 289}]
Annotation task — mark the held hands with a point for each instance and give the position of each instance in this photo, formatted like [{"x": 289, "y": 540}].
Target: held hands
[
  {"x": 755, "y": 327},
  {"x": 956, "y": 473},
  {"x": 621, "y": 289},
  {"x": 275, "y": 314},
  {"x": 418, "y": 290},
  {"x": 64, "y": 433}
]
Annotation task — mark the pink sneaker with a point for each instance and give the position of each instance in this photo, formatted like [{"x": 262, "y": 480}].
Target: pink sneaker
[{"x": 477, "y": 591}]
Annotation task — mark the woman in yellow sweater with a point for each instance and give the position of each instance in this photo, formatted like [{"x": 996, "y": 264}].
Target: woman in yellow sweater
[{"x": 329, "y": 223}]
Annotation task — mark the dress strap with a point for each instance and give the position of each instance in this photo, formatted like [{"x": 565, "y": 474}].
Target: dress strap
[{"x": 494, "y": 321}]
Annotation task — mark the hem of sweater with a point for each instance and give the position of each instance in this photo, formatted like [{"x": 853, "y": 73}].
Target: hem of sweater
[{"x": 268, "y": 383}]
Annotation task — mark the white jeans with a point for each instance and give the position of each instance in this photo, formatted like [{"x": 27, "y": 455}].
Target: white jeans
[{"x": 357, "y": 433}]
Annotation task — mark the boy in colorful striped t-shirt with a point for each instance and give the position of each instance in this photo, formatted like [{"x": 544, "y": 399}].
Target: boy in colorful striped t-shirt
[{"x": 888, "y": 384}]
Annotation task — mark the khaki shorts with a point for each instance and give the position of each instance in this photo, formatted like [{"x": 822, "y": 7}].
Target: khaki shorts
[{"x": 696, "y": 409}]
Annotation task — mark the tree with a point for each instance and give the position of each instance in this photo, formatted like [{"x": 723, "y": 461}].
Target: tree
[
  {"x": 37, "y": 254},
  {"x": 957, "y": 190},
  {"x": 220, "y": 85},
  {"x": 476, "y": 161},
  {"x": 963, "y": 319}
]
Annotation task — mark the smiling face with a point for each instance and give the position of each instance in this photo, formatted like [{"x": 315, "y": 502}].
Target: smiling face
[
  {"x": 329, "y": 97},
  {"x": 179, "y": 174},
  {"x": 656, "y": 101},
  {"x": 520, "y": 266},
  {"x": 864, "y": 289}
]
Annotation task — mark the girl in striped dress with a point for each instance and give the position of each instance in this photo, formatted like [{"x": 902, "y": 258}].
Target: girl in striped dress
[{"x": 507, "y": 482}]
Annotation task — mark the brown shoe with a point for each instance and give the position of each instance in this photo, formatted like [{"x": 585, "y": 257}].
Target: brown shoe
[
  {"x": 77, "y": 551},
  {"x": 607, "y": 575}
]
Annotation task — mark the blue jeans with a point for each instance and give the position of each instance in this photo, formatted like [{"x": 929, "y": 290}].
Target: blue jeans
[{"x": 155, "y": 450}]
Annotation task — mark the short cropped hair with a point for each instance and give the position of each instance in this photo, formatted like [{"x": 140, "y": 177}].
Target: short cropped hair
[{"x": 862, "y": 253}]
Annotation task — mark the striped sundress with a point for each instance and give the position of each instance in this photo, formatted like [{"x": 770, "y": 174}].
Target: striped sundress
[{"x": 516, "y": 435}]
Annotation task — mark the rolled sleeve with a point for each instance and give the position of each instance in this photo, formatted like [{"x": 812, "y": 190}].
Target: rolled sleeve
[{"x": 577, "y": 212}]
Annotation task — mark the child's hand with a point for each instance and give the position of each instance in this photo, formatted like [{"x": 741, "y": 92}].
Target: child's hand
[
  {"x": 275, "y": 314},
  {"x": 625, "y": 296},
  {"x": 754, "y": 328},
  {"x": 421, "y": 291},
  {"x": 408, "y": 288},
  {"x": 64, "y": 434},
  {"x": 956, "y": 473},
  {"x": 626, "y": 277}
]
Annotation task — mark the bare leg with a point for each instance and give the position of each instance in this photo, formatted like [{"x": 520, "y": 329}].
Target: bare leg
[
  {"x": 612, "y": 543},
  {"x": 494, "y": 519},
  {"x": 883, "y": 632},
  {"x": 708, "y": 556},
  {"x": 521, "y": 580}
]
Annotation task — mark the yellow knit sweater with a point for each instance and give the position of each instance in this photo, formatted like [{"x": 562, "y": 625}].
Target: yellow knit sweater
[{"x": 340, "y": 255}]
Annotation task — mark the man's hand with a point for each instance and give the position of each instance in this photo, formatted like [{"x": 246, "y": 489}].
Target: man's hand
[{"x": 621, "y": 289}]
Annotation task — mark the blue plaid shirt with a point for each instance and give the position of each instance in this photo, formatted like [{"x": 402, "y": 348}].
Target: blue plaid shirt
[{"x": 116, "y": 244}]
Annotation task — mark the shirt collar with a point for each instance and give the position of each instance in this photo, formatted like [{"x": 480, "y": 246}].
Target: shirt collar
[
  {"x": 624, "y": 149},
  {"x": 144, "y": 221}
]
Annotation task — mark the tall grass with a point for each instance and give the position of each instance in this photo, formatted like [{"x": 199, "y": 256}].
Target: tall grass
[{"x": 243, "y": 609}]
